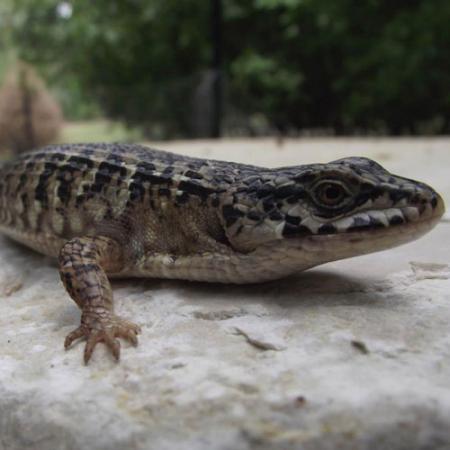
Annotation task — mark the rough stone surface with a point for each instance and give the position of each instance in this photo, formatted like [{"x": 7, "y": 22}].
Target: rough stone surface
[{"x": 354, "y": 354}]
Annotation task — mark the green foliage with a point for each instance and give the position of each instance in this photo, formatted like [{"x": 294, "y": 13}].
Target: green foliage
[
  {"x": 376, "y": 66},
  {"x": 369, "y": 66}
]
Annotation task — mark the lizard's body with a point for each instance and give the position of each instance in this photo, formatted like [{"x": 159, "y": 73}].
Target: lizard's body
[{"x": 126, "y": 210}]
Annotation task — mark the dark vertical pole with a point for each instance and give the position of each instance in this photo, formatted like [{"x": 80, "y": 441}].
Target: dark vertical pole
[{"x": 216, "y": 35}]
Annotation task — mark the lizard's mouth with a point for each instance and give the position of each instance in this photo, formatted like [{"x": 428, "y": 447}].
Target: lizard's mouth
[
  {"x": 391, "y": 217},
  {"x": 372, "y": 231}
]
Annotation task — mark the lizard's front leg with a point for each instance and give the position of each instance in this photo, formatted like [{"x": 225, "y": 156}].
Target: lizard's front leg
[{"x": 83, "y": 263}]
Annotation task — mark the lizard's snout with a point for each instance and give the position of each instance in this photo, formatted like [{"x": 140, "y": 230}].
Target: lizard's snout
[
  {"x": 437, "y": 204},
  {"x": 428, "y": 202},
  {"x": 418, "y": 201}
]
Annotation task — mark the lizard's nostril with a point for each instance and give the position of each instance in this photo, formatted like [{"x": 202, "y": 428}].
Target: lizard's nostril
[{"x": 438, "y": 205}]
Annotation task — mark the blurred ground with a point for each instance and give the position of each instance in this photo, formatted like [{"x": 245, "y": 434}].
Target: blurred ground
[
  {"x": 97, "y": 130},
  {"x": 353, "y": 354}
]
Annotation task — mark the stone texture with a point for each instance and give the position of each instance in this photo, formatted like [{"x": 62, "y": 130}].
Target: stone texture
[{"x": 353, "y": 354}]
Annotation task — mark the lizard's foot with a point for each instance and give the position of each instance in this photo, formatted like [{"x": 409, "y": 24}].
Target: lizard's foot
[{"x": 103, "y": 327}]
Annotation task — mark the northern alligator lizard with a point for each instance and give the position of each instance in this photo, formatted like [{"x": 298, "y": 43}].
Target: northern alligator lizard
[{"x": 116, "y": 210}]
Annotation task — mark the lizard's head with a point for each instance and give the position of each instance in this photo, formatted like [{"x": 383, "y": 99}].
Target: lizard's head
[{"x": 344, "y": 208}]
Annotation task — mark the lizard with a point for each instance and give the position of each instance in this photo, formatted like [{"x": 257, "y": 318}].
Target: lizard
[{"x": 124, "y": 210}]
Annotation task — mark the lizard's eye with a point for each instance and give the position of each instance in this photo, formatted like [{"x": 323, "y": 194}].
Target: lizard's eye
[{"x": 330, "y": 193}]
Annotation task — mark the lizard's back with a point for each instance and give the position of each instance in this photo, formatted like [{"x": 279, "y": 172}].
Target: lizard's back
[{"x": 58, "y": 192}]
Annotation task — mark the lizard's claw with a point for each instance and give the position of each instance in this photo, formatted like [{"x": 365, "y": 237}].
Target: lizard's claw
[{"x": 104, "y": 327}]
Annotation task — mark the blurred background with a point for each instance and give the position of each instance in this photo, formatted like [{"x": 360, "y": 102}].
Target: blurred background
[{"x": 136, "y": 70}]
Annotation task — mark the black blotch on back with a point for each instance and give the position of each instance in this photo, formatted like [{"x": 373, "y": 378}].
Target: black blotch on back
[
  {"x": 194, "y": 188},
  {"x": 22, "y": 181},
  {"x": 164, "y": 192},
  {"x": 193, "y": 174},
  {"x": 136, "y": 190},
  {"x": 63, "y": 193},
  {"x": 80, "y": 161},
  {"x": 40, "y": 192},
  {"x": 264, "y": 191},
  {"x": 57, "y": 157},
  {"x": 96, "y": 187},
  {"x": 215, "y": 202},
  {"x": 182, "y": 198},
  {"x": 102, "y": 178},
  {"x": 107, "y": 168}
]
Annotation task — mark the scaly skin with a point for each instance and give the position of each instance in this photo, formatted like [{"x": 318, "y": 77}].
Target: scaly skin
[{"x": 111, "y": 210}]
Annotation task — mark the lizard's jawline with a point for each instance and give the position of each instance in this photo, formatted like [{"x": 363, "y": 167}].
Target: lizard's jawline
[
  {"x": 279, "y": 259},
  {"x": 344, "y": 245}
]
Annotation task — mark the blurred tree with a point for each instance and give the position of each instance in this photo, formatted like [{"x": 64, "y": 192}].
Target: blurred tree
[{"x": 372, "y": 66}]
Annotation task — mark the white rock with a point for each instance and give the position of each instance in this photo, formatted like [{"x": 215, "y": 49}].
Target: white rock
[{"x": 351, "y": 355}]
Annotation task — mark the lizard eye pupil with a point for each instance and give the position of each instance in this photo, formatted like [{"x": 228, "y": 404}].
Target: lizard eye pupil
[{"x": 331, "y": 194}]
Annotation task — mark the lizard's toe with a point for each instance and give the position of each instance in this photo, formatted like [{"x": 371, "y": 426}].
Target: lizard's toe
[
  {"x": 113, "y": 344},
  {"x": 104, "y": 328},
  {"x": 93, "y": 338},
  {"x": 73, "y": 336},
  {"x": 128, "y": 330}
]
